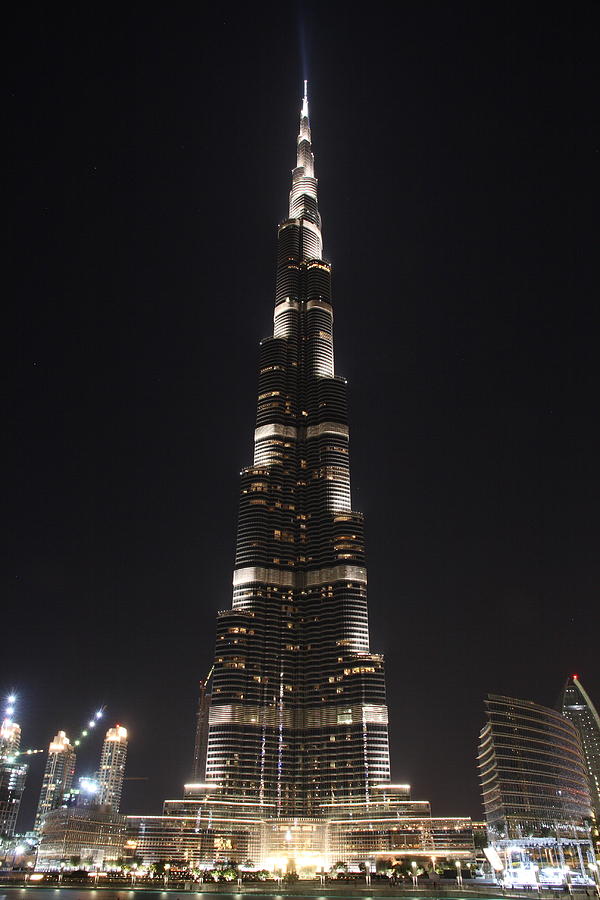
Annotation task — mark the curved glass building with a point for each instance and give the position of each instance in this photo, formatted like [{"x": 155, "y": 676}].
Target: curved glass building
[{"x": 532, "y": 771}]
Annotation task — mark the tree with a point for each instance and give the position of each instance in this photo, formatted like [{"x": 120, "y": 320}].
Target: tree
[{"x": 158, "y": 868}]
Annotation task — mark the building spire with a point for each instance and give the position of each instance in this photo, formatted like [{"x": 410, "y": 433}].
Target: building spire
[
  {"x": 303, "y": 196},
  {"x": 304, "y": 120}
]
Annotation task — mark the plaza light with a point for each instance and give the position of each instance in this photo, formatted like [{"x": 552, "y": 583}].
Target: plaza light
[
  {"x": 458, "y": 871},
  {"x": 415, "y": 877}
]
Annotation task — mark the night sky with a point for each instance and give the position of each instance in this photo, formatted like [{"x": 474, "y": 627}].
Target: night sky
[{"x": 150, "y": 158}]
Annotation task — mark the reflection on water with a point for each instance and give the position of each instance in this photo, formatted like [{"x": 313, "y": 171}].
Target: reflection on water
[{"x": 74, "y": 893}]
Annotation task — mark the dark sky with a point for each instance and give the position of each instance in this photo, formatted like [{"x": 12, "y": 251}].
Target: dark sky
[{"x": 457, "y": 152}]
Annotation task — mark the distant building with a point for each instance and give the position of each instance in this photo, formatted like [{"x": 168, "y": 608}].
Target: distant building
[
  {"x": 12, "y": 785},
  {"x": 535, "y": 792},
  {"x": 84, "y": 795},
  {"x": 19, "y": 851},
  {"x": 58, "y": 776},
  {"x": 12, "y": 776},
  {"x": 92, "y": 835},
  {"x": 576, "y": 705},
  {"x": 112, "y": 767},
  {"x": 10, "y": 738}
]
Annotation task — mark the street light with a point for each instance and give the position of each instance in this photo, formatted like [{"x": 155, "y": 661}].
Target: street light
[
  {"x": 413, "y": 866},
  {"x": 458, "y": 872},
  {"x": 167, "y": 867}
]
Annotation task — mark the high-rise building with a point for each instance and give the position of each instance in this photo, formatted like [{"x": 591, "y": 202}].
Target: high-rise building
[
  {"x": 13, "y": 772},
  {"x": 575, "y": 703},
  {"x": 112, "y": 767},
  {"x": 12, "y": 785},
  {"x": 10, "y": 738},
  {"x": 534, "y": 785},
  {"x": 297, "y": 764},
  {"x": 58, "y": 776},
  {"x": 298, "y": 713}
]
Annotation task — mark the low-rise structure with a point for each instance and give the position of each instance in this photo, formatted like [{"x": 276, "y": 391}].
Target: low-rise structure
[
  {"x": 203, "y": 830},
  {"x": 89, "y": 836}
]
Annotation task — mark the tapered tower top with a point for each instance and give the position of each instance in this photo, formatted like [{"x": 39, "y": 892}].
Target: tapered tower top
[
  {"x": 303, "y": 196},
  {"x": 304, "y": 134}
]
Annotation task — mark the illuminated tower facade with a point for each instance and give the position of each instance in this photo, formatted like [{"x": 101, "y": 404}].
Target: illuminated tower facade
[
  {"x": 13, "y": 773},
  {"x": 58, "y": 776},
  {"x": 298, "y": 716},
  {"x": 112, "y": 767},
  {"x": 10, "y": 738},
  {"x": 576, "y": 705}
]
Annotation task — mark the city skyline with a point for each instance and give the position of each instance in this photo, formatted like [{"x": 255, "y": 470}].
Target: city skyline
[{"x": 455, "y": 216}]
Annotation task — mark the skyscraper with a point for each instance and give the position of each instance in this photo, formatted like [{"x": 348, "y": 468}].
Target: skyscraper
[
  {"x": 298, "y": 713},
  {"x": 575, "y": 703},
  {"x": 58, "y": 776},
  {"x": 10, "y": 738},
  {"x": 112, "y": 767},
  {"x": 12, "y": 772},
  {"x": 297, "y": 762}
]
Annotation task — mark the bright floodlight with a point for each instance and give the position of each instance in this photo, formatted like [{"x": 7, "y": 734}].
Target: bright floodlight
[
  {"x": 11, "y": 699},
  {"x": 91, "y": 723},
  {"x": 99, "y": 714},
  {"x": 10, "y": 710}
]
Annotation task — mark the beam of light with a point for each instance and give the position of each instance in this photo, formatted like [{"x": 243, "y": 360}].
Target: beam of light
[{"x": 302, "y": 42}]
